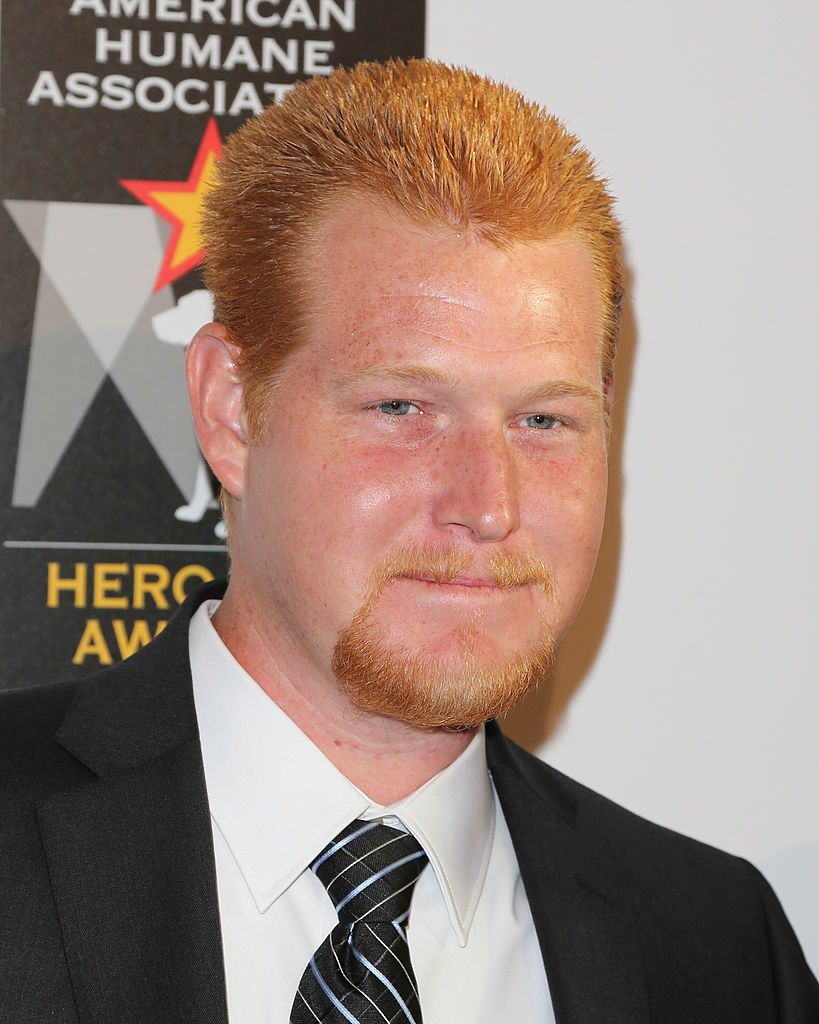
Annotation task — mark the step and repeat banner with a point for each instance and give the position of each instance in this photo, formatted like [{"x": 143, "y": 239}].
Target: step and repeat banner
[
  {"x": 113, "y": 116},
  {"x": 687, "y": 689}
]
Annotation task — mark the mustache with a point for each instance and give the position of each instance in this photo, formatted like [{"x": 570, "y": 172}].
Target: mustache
[{"x": 504, "y": 569}]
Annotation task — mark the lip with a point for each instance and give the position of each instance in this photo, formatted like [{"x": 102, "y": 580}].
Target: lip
[{"x": 476, "y": 582}]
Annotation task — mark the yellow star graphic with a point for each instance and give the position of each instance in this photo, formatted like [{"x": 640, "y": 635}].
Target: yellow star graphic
[{"x": 180, "y": 203}]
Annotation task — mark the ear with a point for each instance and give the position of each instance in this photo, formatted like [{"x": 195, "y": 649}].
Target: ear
[{"x": 217, "y": 403}]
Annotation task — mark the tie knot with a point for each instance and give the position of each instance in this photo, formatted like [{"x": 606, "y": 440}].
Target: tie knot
[{"x": 369, "y": 871}]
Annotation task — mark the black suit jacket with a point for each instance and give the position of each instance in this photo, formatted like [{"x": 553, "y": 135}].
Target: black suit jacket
[{"x": 108, "y": 900}]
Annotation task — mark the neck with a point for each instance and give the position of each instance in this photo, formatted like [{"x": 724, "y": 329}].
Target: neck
[{"x": 385, "y": 758}]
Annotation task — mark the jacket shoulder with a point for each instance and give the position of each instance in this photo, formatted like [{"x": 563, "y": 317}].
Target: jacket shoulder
[
  {"x": 29, "y": 720},
  {"x": 585, "y": 809},
  {"x": 691, "y": 905},
  {"x": 637, "y": 855},
  {"x": 96, "y": 717}
]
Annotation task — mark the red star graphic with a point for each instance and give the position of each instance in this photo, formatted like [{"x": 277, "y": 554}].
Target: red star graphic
[{"x": 180, "y": 203}]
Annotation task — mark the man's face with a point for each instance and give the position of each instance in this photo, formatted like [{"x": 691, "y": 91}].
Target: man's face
[{"x": 432, "y": 483}]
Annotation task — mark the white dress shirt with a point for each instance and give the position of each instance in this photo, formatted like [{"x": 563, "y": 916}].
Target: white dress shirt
[{"x": 276, "y": 802}]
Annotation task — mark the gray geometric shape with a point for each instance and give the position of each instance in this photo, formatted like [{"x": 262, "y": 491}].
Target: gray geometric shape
[
  {"x": 30, "y": 218},
  {"x": 63, "y": 377},
  {"x": 150, "y": 375},
  {"x": 93, "y": 315},
  {"x": 103, "y": 260}
]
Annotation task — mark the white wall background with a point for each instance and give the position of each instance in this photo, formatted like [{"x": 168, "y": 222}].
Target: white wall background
[{"x": 693, "y": 670}]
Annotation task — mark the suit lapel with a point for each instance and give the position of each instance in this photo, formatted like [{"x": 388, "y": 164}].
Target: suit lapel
[
  {"x": 583, "y": 918},
  {"x": 130, "y": 853}
]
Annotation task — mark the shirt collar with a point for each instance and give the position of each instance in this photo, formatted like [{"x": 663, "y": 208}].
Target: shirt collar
[
  {"x": 278, "y": 801},
  {"x": 453, "y": 817}
]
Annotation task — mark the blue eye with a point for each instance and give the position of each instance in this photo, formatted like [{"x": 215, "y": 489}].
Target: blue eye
[
  {"x": 540, "y": 421},
  {"x": 397, "y": 407}
]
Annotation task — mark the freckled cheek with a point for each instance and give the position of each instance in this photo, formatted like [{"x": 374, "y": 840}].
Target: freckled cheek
[
  {"x": 368, "y": 494},
  {"x": 362, "y": 510},
  {"x": 564, "y": 505}
]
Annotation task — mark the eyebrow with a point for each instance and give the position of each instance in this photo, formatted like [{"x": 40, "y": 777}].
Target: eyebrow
[
  {"x": 431, "y": 375},
  {"x": 402, "y": 375},
  {"x": 563, "y": 389}
]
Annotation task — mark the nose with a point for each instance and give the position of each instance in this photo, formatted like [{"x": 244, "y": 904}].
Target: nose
[{"x": 478, "y": 486}]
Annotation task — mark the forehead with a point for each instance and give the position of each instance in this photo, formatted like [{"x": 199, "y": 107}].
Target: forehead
[{"x": 378, "y": 280}]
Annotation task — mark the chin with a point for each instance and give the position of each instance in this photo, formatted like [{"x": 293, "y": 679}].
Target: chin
[{"x": 457, "y": 688}]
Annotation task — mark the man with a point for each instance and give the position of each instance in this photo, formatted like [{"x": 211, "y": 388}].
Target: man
[{"x": 405, "y": 396}]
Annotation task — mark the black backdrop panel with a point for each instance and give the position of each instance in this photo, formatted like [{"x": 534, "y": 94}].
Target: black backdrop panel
[{"x": 106, "y": 512}]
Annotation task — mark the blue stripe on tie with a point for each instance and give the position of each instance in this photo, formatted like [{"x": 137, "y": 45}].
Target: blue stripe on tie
[
  {"x": 370, "y": 825},
  {"x": 330, "y": 995},
  {"x": 385, "y": 981},
  {"x": 377, "y": 875}
]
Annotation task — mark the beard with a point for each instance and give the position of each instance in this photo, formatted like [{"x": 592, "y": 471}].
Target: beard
[{"x": 462, "y": 690}]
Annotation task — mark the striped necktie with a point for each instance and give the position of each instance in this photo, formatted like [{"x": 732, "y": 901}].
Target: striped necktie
[{"x": 361, "y": 973}]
